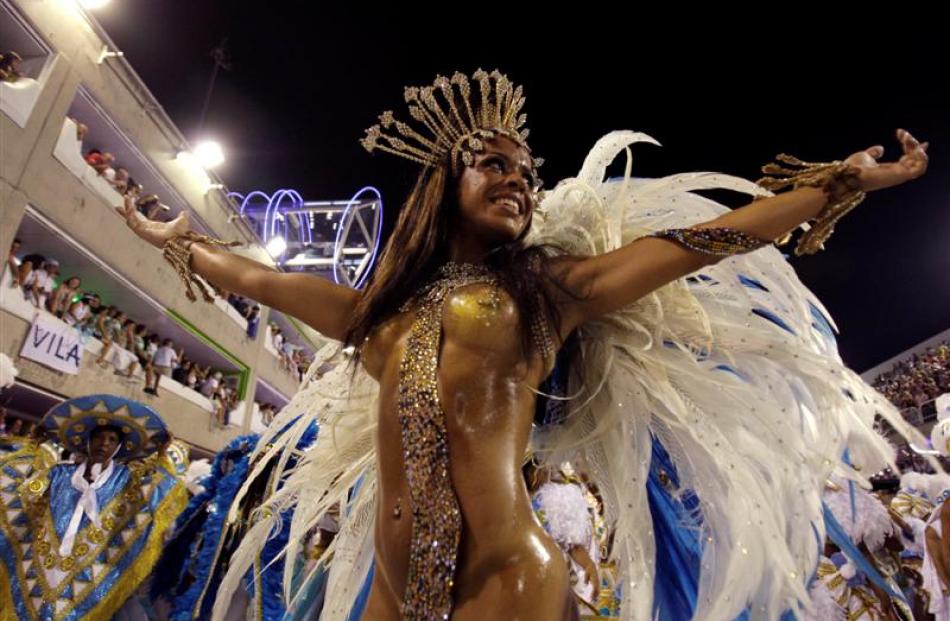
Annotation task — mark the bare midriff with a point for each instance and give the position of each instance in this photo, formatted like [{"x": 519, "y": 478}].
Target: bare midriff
[{"x": 508, "y": 567}]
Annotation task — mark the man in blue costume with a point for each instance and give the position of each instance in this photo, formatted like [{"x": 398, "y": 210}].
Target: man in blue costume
[{"x": 78, "y": 538}]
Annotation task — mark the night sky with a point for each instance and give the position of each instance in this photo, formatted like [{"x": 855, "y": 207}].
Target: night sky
[{"x": 307, "y": 78}]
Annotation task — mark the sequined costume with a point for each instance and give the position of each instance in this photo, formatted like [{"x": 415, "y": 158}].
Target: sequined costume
[
  {"x": 733, "y": 369},
  {"x": 740, "y": 345},
  {"x": 52, "y": 570}
]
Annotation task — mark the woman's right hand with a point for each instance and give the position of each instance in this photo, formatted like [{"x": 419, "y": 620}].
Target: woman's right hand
[
  {"x": 152, "y": 231},
  {"x": 291, "y": 293}
]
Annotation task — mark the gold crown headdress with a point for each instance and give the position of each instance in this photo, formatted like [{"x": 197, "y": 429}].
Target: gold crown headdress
[{"x": 457, "y": 126}]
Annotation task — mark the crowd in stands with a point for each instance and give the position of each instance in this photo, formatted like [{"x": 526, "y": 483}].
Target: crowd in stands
[
  {"x": 127, "y": 345},
  {"x": 103, "y": 162},
  {"x": 293, "y": 358},
  {"x": 919, "y": 380},
  {"x": 105, "y": 165}
]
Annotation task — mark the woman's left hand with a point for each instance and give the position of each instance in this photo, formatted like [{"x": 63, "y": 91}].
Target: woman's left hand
[{"x": 875, "y": 175}]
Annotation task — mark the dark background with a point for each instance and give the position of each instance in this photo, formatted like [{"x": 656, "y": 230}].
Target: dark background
[{"x": 720, "y": 93}]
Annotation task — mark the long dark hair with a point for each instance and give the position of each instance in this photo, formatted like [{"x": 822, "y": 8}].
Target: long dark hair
[{"x": 418, "y": 246}]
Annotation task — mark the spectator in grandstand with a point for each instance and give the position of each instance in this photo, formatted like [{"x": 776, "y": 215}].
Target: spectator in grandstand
[
  {"x": 81, "y": 128},
  {"x": 28, "y": 263},
  {"x": 63, "y": 295},
  {"x": 133, "y": 189},
  {"x": 239, "y": 303},
  {"x": 77, "y": 312},
  {"x": 13, "y": 263},
  {"x": 196, "y": 375},
  {"x": 181, "y": 370},
  {"x": 109, "y": 329},
  {"x": 101, "y": 162},
  {"x": 121, "y": 180},
  {"x": 10, "y": 66},
  {"x": 39, "y": 283},
  {"x": 277, "y": 337},
  {"x": 95, "y": 307},
  {"x": 150, "y": 206},
  {"x": 253, "y": 321},
  {"x": 163, "y": 360},
  {"x": 210, "y": 385},
  {"x": 135, "y": 342}
]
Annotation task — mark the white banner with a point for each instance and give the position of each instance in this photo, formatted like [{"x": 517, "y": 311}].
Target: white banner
[{"x": 53, "y": 343}]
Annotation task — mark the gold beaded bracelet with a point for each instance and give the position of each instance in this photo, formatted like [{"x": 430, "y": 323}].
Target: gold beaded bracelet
[
  {"x": 717, "y": 241},
  {"x": 177, "y": 251},
  {"x": 839, "y": 182}
]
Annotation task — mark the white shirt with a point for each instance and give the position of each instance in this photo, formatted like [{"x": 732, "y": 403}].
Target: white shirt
[
  {"x": 45, "y": 282},
  {"x": 209, "y": 386},
  {"x": 41, "y": 276},
  {"x": 165, "y": 356},
  {"x": 76, "y": 314}
]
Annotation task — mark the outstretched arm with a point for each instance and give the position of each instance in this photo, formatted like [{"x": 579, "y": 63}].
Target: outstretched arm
[
  {"x": 613, "y": 280},
  {"x": 323, "y": 305}
]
